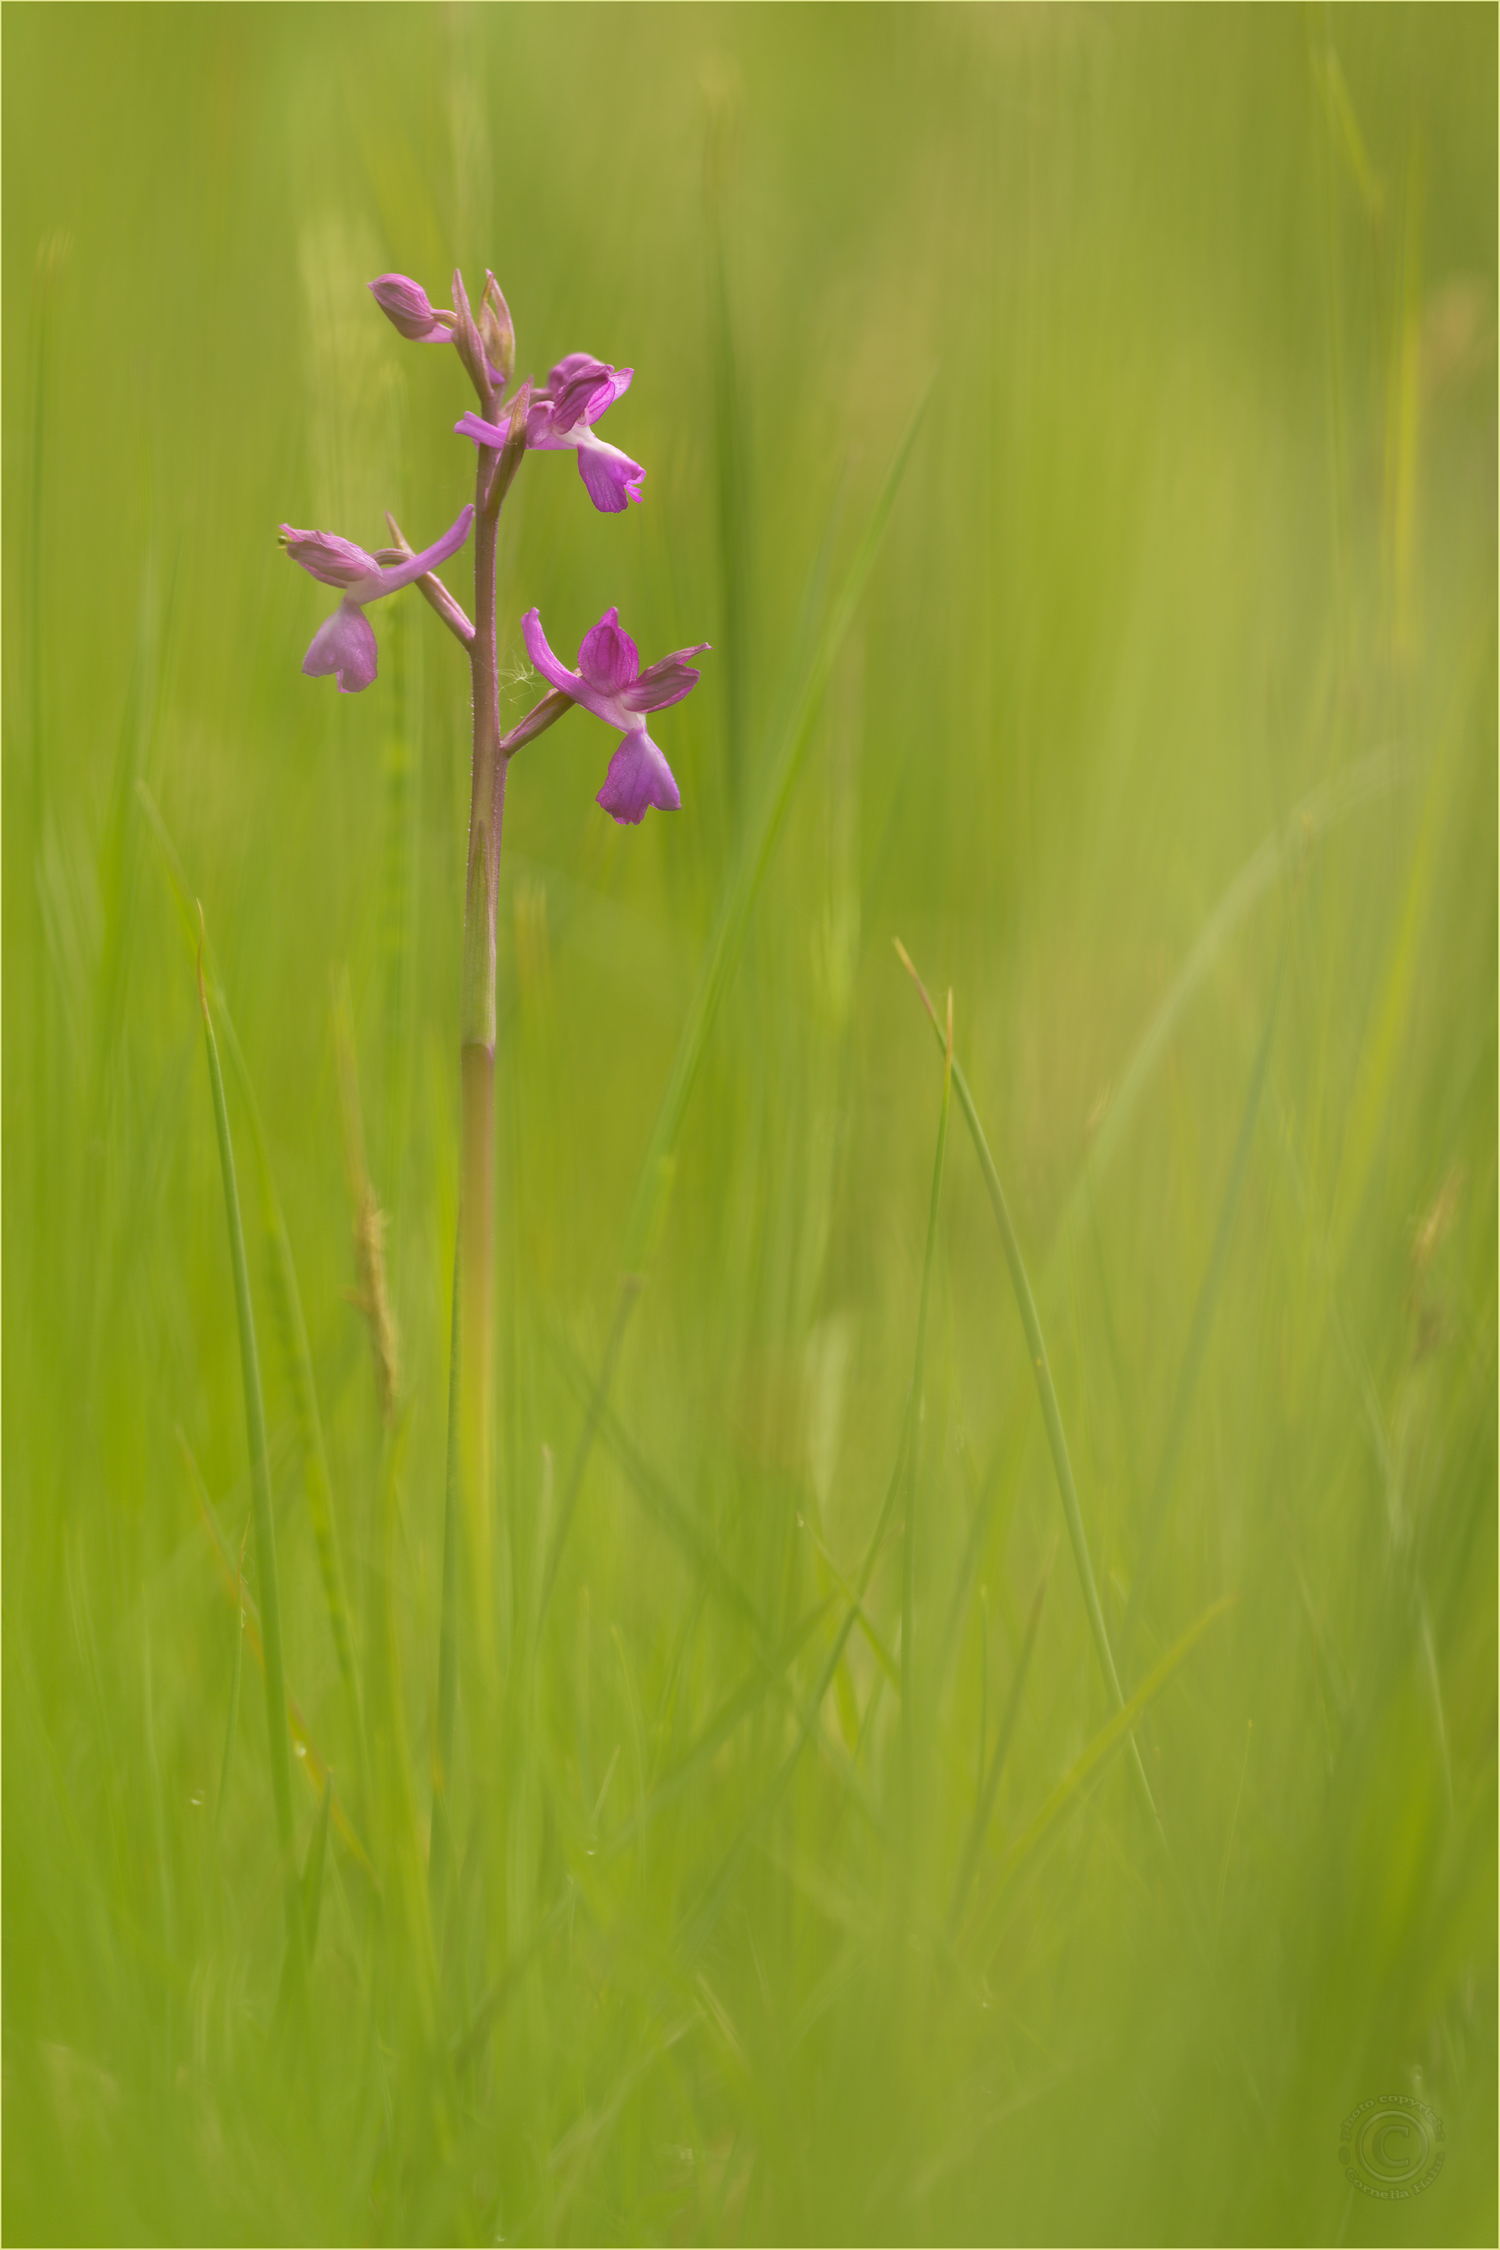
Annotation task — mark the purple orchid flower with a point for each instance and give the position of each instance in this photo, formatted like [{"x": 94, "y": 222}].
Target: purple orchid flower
[
  {"x": 344, "y": 644},
  {"x": 610, "y": 683},
  {"x": 579, "y": 389},
  {"x": 406, "y": 305}
]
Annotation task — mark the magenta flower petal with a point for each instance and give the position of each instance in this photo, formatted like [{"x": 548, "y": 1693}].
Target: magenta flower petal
[
  {"x": 570, "y": 368},
  {"x": 638, "y": 778},
  {"x": 406, "y": 305},
  {"x": 608, "y": 659},
  {"x": 416, "y": 566},
  {"x": 482, "y": 432},
  {"x": 666, "y": 681},
  {"x": 556, "y": 674},
  {"x": 326, "y": 557},
  {"x": 580, "y": 387},
  {"x": 610, "y": 477},
  {"x": 619, "y": 382},
  {"x": 344, "y": 644}
]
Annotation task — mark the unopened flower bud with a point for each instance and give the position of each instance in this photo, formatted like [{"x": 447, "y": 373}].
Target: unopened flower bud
[
  {"x": 497, "y": 331},
  {"x": 406, "y": 305}
]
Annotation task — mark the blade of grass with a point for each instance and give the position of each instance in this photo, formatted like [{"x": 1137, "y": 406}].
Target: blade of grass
[
  {"x": 312, "y": 1872},
  {"x": 914, "y": 1467},
  {"x": 699, "y": 1928},
  {"x": 265, "y": 1528},
  {"x": 1321, "y": 810},
  {"x": 309, "y": 1756},
  {"x": 291, "y": 1319},
  {"x": 986, "y": 1803},
  {"x": 1042, "y": 1371},
  {"x": 234, "y": 1700},
  {"x": 1109, "y": 1738},
  {"x": 1203, "y": 1313},
  {"x": 724, "y": 952}
]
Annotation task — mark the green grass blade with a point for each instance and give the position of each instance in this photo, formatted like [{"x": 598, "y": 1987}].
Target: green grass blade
[
  {"x": 1320, "y": 811},
  {"x": 312, "y": 1872},
  {"x": 723, "y": 956},
  {"x": 260, "y": 1478},
  {"x": 1036, "y": 1346},
  {"x": 729, "y": 932},
  {"x": 1203, "y": 1313},
  {"x": 291, "y": 1318},
  {"x": 903, "y": 1479},
  {"x": 914, "y": 1466},
  {"x": 986, "y": 1804},
  {"x": 232, "y": 1723},
  {"x": 309, "y": 1757},
  {"x": 1110, "y": 1736}
]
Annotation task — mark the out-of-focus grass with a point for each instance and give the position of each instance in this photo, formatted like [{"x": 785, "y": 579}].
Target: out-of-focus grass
[{"x": 1196, "y": 549}]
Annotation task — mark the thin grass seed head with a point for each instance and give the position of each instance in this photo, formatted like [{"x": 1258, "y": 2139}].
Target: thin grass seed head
[
  {"x": 610, "y": 683},
  {"x": 345, "y": 643}
]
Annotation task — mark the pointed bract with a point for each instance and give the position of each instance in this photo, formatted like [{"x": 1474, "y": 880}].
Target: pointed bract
[{"x": 497, "y": 331}]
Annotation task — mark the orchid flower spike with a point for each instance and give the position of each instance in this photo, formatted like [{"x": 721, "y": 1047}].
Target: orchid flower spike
[
  {"x": 345, "y": 643},
  {"x": 579, "y": 389},
  {"x": 610, "y": 683},
  {"x": 405, "y": 304}
]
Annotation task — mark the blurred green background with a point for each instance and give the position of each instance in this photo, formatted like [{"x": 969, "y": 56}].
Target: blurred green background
[{"x": 1163, "y": 732}]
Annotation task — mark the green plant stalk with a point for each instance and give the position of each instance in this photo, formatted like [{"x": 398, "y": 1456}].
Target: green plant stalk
[
  {"x": 260, "y": 1483},
  {"x": 473, "y": 1302}
]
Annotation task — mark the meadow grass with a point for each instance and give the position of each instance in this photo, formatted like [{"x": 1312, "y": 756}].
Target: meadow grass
[{"x": 990, "y": 1732}]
